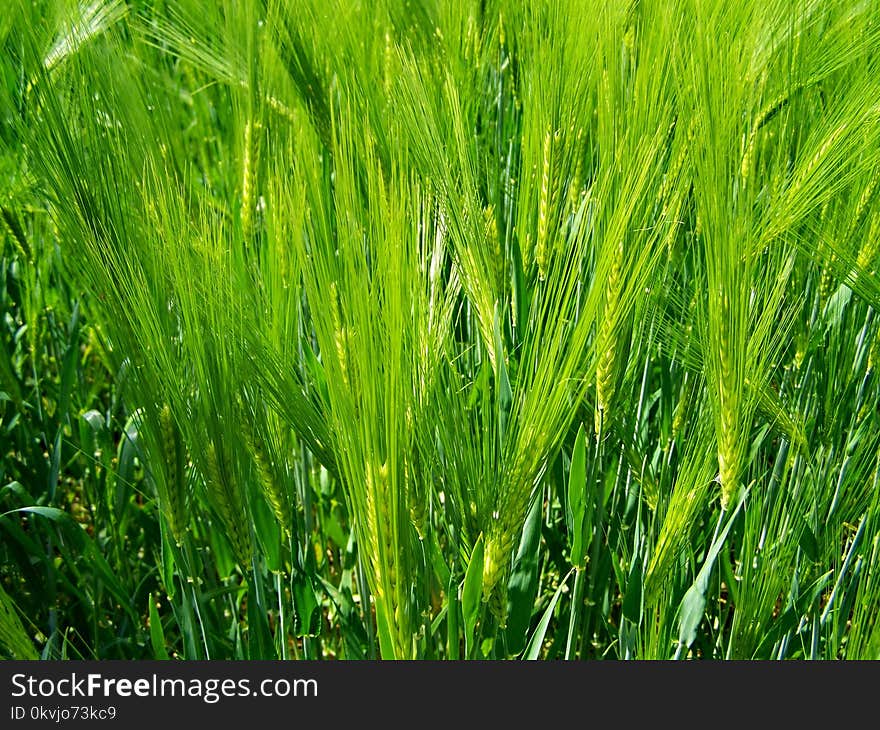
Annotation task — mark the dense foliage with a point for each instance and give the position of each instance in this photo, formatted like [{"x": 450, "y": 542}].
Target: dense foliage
[{"x": 440, "y": 329}]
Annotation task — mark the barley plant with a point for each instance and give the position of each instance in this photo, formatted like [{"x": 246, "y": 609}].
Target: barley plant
[{"x": 418, "y": 329}]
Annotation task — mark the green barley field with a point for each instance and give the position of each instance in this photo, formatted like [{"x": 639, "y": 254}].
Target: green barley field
[{"x": 440, "y": 329}]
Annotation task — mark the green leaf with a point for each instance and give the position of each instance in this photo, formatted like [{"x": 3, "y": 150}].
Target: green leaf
[
  {"x": 69, "y": 365},
  {"x": 13, "y": 637},
  {"x": 95, "y": 420},
  {"x": 157, "y": 633},
  {"x": 55, "y": 463},
  {"x": 533, "y": 651},
  {"x": 260, "y": 643},
  {"x": 437, "y": 560},
  {"x": 386, "y": 643},
  {"x": 694, "y": 602},
  {"x": 472, "y": 593},
  {"x": 505, "y": 394},
  {"x": 78, "y": 537},
  {"x": 577, "y": 500},
  {"x": 452, "y": 619},
  {"x": 632, "y": 600},
  {"x": 268, "y": 533},
  {"x": 836, "y": 307},
  {"x": 128, "y": 451},
  {"x": 51, "y": 513},
  {"x": 522, "y": 588},
  {"x": 17, "y": 489},
  {"x": 305, "y": 605},
  {"x": 808, "y": 544}
]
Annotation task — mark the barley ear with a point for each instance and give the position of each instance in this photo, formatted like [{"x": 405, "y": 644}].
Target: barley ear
[
  {"x": 267, "y": 478},
  {"x": 250, "y": 162},
  {"x": 606, "y": 343},
  {"x": 172, "y": 497},
  {"x": 729, "y": 445},
  {"x": 229, "y": 505},
  {"x": 544, "y": 202}
]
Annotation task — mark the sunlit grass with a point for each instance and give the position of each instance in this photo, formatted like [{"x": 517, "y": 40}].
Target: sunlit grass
[{"x": 440, "y": 330}]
